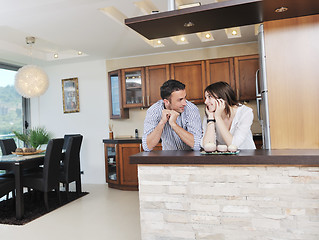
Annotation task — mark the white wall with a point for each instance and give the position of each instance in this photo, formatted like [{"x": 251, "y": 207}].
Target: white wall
[{"x": 91, "y": 121}]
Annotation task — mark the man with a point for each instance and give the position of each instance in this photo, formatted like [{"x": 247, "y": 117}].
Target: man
[{"x": 173, "y": 119}]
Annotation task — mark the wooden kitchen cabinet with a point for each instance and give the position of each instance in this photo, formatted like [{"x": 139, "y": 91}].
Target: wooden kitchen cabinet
[
  {"x": 115, "y": 96},
  {"x": 192, "y": 74},
  {"x": 128, "y": 172},
  {"x": 155, "y": 77},
  {"x": 133, "y": 86},
  {"x": 245, "y": 76},
  {"x": 120, "y": 174},
  {"x": 220, "y": 69}
]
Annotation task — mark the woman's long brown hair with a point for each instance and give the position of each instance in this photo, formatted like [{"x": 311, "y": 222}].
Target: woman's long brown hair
[{"x": 224, "y": 91}]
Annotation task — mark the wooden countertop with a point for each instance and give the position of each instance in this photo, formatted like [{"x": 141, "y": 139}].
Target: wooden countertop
[{"x": 300, "y": 157}]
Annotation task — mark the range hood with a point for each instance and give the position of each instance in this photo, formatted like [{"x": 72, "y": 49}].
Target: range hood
[{"x": 219, "y": 15}]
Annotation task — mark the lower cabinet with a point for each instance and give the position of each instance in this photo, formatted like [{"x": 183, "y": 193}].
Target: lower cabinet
[
  {"x": 120, "y": 174},
  {"x": 128, "y": 172}
]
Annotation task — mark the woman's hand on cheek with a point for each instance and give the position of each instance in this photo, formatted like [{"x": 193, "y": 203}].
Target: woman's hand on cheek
[
  {"x": 220, "y": 107},
  {"x": 209, "y": 112}
]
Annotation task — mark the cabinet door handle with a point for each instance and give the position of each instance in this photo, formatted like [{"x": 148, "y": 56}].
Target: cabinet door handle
[
  {"x": 140, "y": 147},
  {"x": 148, "y": 100},
  {"x": 143, "y": 101},
  {"x": 237, "y": 94}
]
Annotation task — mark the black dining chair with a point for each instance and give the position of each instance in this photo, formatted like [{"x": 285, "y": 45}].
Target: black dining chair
[
  {"x": 66, "y": 140},
  {"x": 70, "y": 169},
  {"x": 7, "y": 146},
  {"x": 7, "y": 185},
  {"x": 47, "y": 178}
]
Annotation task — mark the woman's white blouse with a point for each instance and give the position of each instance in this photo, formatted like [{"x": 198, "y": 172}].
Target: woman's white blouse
[{"x": 240, "y": 129}]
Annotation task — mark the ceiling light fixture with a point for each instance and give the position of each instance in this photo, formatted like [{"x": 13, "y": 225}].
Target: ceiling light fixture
[
  {"x": 205, "y": 36},
  {"x": 281, "y": 9},
  {"x": 56, "y": 55},
  {"x": 31, "y": 80},
  {"x": 189, "y": 24},
  {"x": 180, "y": 40},
  {"x": 233, "y": 32},
  {"x": 79, "y": 53},
  {"x": 196, "y": 4}
]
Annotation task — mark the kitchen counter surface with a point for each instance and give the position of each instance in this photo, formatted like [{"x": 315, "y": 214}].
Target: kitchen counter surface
[
  {"x": 123, "y": 140},
  {"x": 245, "y": 157}
]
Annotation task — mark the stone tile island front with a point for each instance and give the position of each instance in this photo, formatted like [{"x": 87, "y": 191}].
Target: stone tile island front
[{"x": 257, "y": 194}]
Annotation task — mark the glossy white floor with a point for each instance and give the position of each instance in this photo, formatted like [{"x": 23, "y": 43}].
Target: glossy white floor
[{"x": 103, "y": 214}]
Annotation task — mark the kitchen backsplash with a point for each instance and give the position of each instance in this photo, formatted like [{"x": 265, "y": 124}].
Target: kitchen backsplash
[{"x": 126, "y": 127}]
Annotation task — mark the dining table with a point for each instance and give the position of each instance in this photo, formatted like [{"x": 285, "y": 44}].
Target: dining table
[{"x": 16, "y": 164}]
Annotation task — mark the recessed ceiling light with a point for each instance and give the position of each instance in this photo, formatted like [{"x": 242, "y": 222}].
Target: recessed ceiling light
[
  {"x": 79, "y": 53},
  {"x": 189, "y": 24},
  {"x": 196, "y": 4},
  {"x": 281, "y": 9},
  {"x": 233, "y": 32},
  {"x": 205, "y": 36},
  {"x": 180, "y": 40},
  {"x": 159, "y": 42},
  {"x": 56, "y": 55}
]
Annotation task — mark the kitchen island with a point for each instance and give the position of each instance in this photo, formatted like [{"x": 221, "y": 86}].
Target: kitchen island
[{"x": 257, "y": 194}]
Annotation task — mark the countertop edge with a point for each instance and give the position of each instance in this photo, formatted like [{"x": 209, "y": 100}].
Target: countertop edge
[{"x": 245, "y": 157}]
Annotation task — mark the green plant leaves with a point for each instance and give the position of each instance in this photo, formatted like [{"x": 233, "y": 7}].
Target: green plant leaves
[
  {"x": 38, "y": 136},
  {"x": 35, "y": 137}
]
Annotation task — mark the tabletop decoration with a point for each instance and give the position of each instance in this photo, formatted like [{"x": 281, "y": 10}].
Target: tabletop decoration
[
  {"x": 219, "y": 153},
  {"x": 33, "y": 139}
]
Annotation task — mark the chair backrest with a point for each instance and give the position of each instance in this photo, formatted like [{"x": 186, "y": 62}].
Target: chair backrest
[
  {"x": 66, "y": 139},
  {"x": 51, "y": 166},
  {"x": 8, "y": 146},
  {"x": 72, "y": 158}
]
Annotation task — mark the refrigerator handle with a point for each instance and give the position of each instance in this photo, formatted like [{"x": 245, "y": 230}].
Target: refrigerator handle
[
  {"x": 258, "y": 94},
  {"x": 258, "y": 109}
]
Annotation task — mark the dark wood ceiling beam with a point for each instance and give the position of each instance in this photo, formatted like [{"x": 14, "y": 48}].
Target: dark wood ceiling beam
[
  {"x": 213, "y": 16},
  {"x": 232, "y": 13}
]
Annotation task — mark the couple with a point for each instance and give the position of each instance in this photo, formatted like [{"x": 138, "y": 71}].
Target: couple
[{"x": 177, "y": 121}]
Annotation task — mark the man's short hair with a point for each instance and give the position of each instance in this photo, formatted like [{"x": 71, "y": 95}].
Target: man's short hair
[{"x": 171, "y": 86}]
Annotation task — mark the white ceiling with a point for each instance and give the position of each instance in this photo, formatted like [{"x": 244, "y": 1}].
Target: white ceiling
[{"x": 68, "y": 26}]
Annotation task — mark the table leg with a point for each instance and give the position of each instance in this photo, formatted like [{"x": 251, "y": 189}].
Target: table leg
[{"x": 19, "y": 191}]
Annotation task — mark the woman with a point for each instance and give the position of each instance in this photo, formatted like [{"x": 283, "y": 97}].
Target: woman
[{"x": 227, "y": 122}]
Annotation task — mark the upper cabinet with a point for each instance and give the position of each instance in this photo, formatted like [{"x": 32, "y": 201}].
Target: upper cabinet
[
  {"x": 238, "y": 72},
  {"x": 192, "y": 74},
  {"x": 245, "y": 76},
  {"x": 221, "y": 69},
  {"x": 140, "y": 86},
  {"x": 115, "y": 96},
  {"x": 133, "y": 85},
  {"x": 155, "y": 77}
]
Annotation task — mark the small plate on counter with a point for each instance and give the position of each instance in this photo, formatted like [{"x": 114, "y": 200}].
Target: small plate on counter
[{"x": 219, "y": 153}]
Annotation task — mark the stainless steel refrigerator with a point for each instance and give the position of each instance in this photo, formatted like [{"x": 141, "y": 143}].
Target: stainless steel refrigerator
[{"x": 262, "y": 91}]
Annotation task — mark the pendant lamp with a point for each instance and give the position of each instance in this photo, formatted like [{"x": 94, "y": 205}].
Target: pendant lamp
[{"x": 30, "y": 80}]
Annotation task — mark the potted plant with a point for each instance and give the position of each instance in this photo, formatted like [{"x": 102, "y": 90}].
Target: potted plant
[{"x": 34, "y": 138}]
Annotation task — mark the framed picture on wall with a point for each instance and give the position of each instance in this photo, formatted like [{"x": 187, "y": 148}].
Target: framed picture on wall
[{"x": 70, "y": 92}]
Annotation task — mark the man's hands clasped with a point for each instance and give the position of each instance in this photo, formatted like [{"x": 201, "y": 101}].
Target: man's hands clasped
[{"x": 169, "y": 116}]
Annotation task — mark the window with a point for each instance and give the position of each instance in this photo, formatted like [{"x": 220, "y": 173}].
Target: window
[{"x": 14, "y": 109}]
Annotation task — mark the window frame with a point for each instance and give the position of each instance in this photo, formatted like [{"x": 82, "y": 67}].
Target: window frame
[{"x": 26, "y": 118}]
